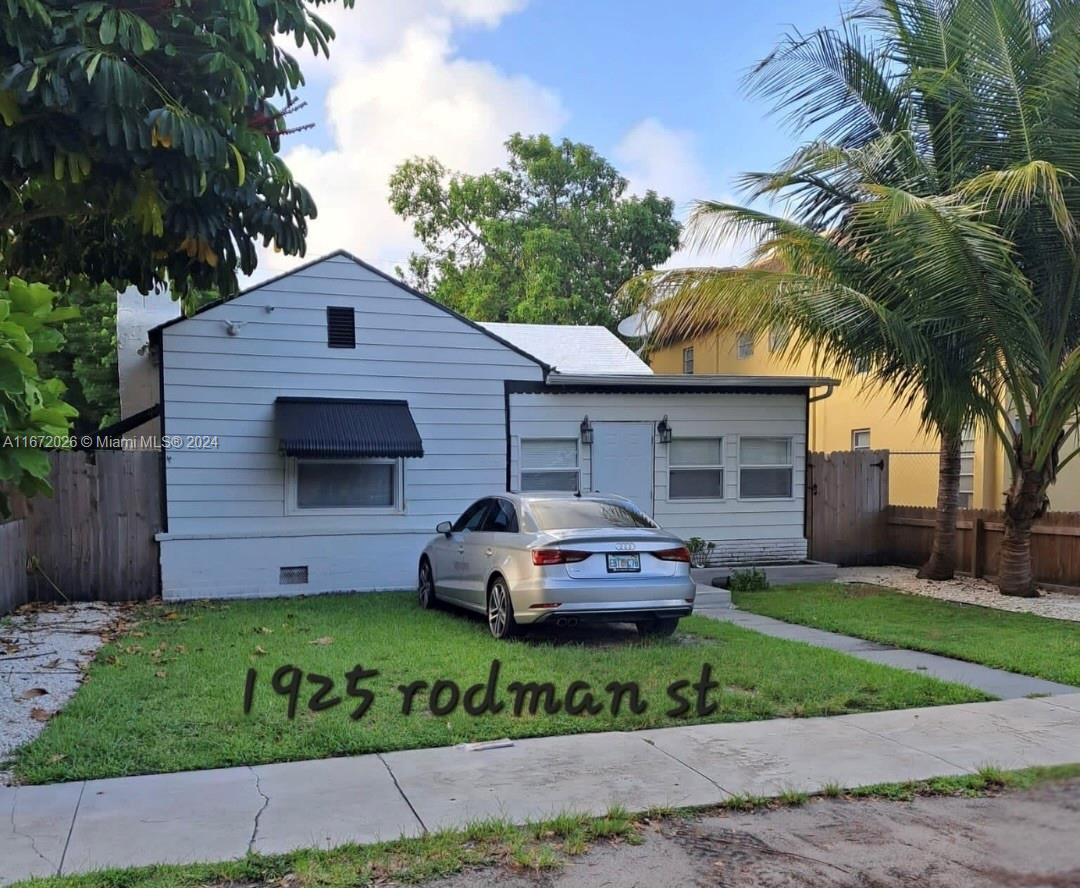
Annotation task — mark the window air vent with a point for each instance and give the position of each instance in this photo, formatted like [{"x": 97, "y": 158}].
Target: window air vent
[
  {"x": 292, "y": 576},
  {"x": 340, "y": 327}
]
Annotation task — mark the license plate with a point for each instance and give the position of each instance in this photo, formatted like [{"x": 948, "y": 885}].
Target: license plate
[{"x": 623, "y": 563}]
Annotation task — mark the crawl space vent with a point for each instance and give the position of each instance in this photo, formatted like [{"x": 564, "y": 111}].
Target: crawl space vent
[{"x": 292, "y": 576}]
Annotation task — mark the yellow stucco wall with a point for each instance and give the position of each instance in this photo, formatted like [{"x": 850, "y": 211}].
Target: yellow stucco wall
[{"x": 854, "y": 405}]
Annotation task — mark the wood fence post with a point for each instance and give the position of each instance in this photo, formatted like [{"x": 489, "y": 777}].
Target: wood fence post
[{"x": 978, "y": 530}]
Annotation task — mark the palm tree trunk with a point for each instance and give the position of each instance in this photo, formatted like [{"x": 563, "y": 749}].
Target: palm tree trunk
[
  {"x": 1025, "y": 502},
  {"x": 942, "y": 562}
]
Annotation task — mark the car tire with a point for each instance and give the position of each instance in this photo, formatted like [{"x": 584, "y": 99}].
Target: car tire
[
  {"x": 425, "y": 586},
  {"x": 500, "y": 609},
  {"x": 663, "y": 627}
]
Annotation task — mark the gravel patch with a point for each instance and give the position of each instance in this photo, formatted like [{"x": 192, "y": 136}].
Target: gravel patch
[
  {"x": 966, "y": 590},
  {"x": 44, "y": 651}
]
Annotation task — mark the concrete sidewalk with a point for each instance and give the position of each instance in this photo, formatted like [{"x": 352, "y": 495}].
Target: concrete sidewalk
[
  {"x": 716, "y": 603},
  {"x": 223, "y": 814}
]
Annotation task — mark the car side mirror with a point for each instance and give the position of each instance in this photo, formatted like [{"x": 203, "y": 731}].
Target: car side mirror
[{"x": 444, "y": 527}]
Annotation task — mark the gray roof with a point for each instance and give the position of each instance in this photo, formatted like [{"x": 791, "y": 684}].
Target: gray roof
[{"x": 573, "y": 349}]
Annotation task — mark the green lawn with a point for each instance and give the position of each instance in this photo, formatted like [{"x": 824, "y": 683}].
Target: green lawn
[
  {"x": 1017, "y": 642},
  {"x": 168, "y": 695}
]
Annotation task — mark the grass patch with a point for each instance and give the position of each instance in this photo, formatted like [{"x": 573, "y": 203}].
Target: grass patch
[
  {"x": 535, "y": 847},
  {"x": 168, "y": 694},
  {"x": 987, "y": 781},
  {"x": 1021, "y": 643}
]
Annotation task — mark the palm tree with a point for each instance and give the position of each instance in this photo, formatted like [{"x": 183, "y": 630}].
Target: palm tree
[{"x": 954, "y": 123}]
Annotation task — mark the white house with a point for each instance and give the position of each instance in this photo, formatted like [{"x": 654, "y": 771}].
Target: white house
[{"x": 318, "y": 426}]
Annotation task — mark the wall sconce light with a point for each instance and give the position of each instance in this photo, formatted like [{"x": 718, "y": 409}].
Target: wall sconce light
[
  {"x": 664, "y": 431},
  {"x": 586, "y": 431}
]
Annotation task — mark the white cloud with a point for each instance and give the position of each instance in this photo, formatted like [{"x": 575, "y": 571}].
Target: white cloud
[
  {"x": 397, "y": 90},
  {"x": 652, "y": 155}
]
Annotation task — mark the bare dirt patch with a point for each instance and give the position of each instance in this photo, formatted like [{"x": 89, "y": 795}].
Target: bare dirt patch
[{"x": 1016, "y": 839}]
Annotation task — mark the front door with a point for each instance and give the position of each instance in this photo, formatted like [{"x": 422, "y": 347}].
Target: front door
[{"x": 622, "y": 461}]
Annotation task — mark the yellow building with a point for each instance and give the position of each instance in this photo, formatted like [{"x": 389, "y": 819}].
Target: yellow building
[{"x": 860, "y": 415}]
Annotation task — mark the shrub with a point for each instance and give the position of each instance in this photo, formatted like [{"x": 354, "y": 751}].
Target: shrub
[
  {"x": 752, "y": 580},
  {"x": 699, "y": 551}
]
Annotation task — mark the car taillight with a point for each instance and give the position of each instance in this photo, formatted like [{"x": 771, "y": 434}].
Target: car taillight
[
  {"x": 679, "y": 554},
  {"x": 557, "y": 556}
]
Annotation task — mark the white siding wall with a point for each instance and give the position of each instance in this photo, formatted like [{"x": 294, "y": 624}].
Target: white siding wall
[
  {"x": 744, "y": 529},
  {"x": 228, "y": 530}
]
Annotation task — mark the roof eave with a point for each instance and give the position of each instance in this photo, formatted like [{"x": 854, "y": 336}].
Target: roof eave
[{"x": 705, "y": 383}]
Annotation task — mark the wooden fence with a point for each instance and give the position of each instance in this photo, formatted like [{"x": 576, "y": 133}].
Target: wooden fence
[
  {"x": 847, "y": 493},
  {"x": 14, "y": 585},
  {"x": 1055, "y": 542},
  {"x": 93, "y": 539}
]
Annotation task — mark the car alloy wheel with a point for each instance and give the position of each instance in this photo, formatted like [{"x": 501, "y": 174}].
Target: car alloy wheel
[
  {"x": 426, "y": 586},
  {"x": 500, "y": 613}
]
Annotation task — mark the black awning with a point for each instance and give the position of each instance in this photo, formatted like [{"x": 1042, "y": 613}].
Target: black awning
[{"x": 349, "y": 428}]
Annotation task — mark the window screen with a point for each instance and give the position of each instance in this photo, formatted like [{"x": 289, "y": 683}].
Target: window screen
[
  {"x": 696, "y": 468},
  {"x": 765, "y": 468},
  {"x": 345, "y": 485},
  {"x": 550, "y": 464},
  {"x": 860, "y": 439}
]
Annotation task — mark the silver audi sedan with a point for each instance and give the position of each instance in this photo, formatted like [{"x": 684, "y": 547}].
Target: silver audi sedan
[{"x": 524, "y": 559}]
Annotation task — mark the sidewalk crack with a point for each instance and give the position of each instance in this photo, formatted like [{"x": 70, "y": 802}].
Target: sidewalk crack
[
  {"x": 401, "y": 792},
  {"x": 689, "y": 767},
  {"x": 259, "y": 813},
  {"x": 15, "y": 831},
  {"x": 71, "y": 829}
]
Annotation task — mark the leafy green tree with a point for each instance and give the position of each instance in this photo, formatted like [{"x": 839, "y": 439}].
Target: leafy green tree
[
  {"x": 86, "y": 362},
  {"x": 548, "y": 239},
  {"x": 30, "y": 407},
  {"x": 955, "y": 130},
  {"x": 140, "y": 139}
]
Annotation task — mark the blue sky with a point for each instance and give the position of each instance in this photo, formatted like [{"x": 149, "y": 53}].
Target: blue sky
[{"x": 656, "y": 88}]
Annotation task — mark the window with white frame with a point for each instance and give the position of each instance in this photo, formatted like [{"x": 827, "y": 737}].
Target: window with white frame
[
  {"x": 550, "y": 464},
  {"x": 967, "y": 468},
  {"x": 766, "y": 469},
  {"x": 345, "y": 485},
  {"x": 745, "y": 345},
  {"x": 688, "y": 360},
  {"x": 860, "y": 439},
  {"x": 696, "y": 468}
]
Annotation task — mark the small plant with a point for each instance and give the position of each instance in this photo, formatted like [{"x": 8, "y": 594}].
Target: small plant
[
  {"x": 700, "y": 550},
  {"x": 793, "y": 797},
  {"x": 752, "y": 580}
]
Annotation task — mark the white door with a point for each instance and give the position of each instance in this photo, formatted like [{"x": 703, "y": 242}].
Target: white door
[{"x": 622, "y": 461}]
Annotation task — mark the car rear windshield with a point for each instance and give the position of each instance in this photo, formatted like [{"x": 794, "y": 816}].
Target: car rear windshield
[{"x": 572, "y": 514}]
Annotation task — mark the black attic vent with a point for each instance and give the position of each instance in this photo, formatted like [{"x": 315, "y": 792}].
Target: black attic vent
[{"x": 340, "y": 328}]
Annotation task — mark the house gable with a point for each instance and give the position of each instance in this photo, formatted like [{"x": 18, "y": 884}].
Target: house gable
[{"x": 334, "y": 267}]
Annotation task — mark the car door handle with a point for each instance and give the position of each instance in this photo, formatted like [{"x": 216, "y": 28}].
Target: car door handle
[{"x": 461, "y": 550}]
